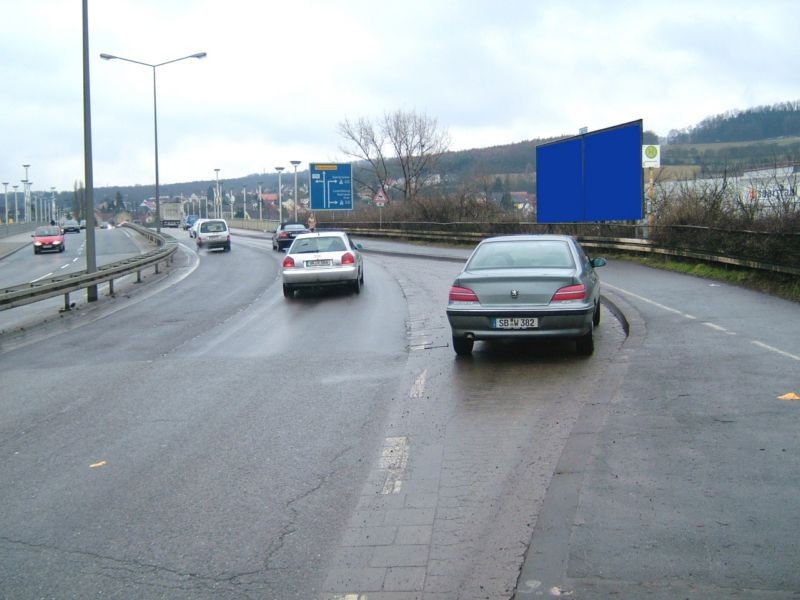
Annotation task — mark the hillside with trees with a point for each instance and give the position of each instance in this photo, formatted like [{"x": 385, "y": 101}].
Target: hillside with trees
[
  {"x": 726, "y": 143},
  {"x": 759, "y": 123}
]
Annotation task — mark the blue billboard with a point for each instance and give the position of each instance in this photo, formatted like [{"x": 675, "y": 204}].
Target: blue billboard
[
  {"x": 330, "y": 186},
  {"x": 595, "y": 176}
]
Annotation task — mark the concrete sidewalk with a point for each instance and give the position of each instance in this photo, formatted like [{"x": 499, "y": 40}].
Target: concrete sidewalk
[{"x": 14, "y": 243}]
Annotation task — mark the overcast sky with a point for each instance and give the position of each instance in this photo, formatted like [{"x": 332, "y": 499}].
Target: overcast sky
[{"x": 280, "y": 76}]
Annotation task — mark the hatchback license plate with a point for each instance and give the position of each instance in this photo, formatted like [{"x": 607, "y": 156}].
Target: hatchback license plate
[
  {"x": 318, "y": 263},
  {"x": 515, "y": 323}
]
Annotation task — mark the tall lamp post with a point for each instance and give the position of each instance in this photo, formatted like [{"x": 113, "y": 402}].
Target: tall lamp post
[
  {"x": 217, "y": 198},
  {"x": 294, "y": 164},
  {"x": 16, "y": 210},
  {"x": 52, "y": 204},
  {"x": 280, "y": 203},
  {"x": 155, "y": 114},
  {"x": 26, "y": 195},
  {"x": 5, "y": 200},
  {"x": 260, "y": 202},
  {"x": 26, "y": 210}
]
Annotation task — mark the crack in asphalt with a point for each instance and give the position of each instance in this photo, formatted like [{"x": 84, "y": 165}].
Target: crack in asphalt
[{"x": 129, "y": 570}]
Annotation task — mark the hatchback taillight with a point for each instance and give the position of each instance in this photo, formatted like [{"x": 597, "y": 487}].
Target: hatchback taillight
[
  {"x": 571, "y": 292},
  {"x": 348, "y": 259},
  {"x": 288, "y": 263},
  {"x": 460, "y": 294},
  {"x": 283, "y": 235}
]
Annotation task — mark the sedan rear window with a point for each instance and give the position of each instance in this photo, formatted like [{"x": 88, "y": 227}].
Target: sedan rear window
[
  {"x": 523, "y": 254},
  {"x": 294, "y": 227}
]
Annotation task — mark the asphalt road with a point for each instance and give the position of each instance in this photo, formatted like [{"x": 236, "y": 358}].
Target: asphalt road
[{"x": 202, "y": 437}]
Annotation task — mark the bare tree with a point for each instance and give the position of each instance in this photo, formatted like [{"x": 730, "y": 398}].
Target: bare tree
[{"x": 403, "y": 142}]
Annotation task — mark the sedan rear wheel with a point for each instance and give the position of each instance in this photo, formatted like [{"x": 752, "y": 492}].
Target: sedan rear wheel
[
  {"x": 596, "y": 315},
  {"x": 463, "y": 346},
  {"x": 288, "y": 291},
  {"x": 585, "y": 344},
  {"x": 355, "y": 286}
]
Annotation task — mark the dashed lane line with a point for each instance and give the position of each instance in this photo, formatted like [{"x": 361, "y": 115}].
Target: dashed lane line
[{"x": 713, "y": 326}]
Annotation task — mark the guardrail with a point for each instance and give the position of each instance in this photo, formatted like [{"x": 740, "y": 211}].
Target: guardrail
[
  {"x": 66, "y": 284},
  {"x": 29, "y": 293},
  {"x": 9, "y": 229},
  {"x": 645, "y": 239},
  {"x": 263, "y": 225}
]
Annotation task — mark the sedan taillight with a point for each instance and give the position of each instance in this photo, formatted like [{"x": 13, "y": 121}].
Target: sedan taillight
[
  {"x": 348, "y": 259},
  {"x": 570, "y": 292},
  {"x": 460, "y": 294},
  {"x": 288, "y": 263}
]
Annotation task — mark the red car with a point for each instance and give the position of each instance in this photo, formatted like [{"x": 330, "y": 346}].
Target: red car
[{"x": 48, "y": 237}]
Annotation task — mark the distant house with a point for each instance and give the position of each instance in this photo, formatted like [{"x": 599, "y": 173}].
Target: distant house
[{"x": 524, "y": 202}]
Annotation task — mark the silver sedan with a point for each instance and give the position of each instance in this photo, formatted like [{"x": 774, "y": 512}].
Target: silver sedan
[
  {"x": 328, "y": 258},
  {"x": 526, "y": 286}
]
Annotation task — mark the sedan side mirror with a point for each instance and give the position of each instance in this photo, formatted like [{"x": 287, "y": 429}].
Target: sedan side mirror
[{"x": 598, "y": 262}]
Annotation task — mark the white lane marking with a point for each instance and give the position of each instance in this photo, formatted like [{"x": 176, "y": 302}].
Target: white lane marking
[
  {"x": 418, "y": 389},
  {"x": 711, "y": 325},
  {"x": 63, "y": 266},
  {"x": 653, "y": 302},
  {"x": 394, "y": 459},
  {"x": 776, "y": 350},
  {"x": 42, "y": 277},
  {"x": 718, "y": 328}
]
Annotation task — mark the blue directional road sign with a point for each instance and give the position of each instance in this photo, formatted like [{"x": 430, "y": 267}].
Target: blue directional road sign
[{"x": 331, "y": 186}]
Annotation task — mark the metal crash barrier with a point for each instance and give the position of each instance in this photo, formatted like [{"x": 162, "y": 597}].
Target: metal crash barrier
[{"x": 29, "y": 293}]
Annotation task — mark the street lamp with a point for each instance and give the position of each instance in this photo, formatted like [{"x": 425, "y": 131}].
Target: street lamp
[
  {"x": 24, "y": 183},
  {"x": 155, "y": 114},
  {"x": 280, "y": 204},
  {"x": 52, "y": 203},
  {"x": 26, "y": 195},
  {"x": 16, "y": 213},
  {"x": 217, "y": 199},
  {"x": 5, "y": 200},
  {"x": 294, "y": 164}
]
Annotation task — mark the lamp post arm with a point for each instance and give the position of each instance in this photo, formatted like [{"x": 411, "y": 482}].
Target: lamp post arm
[
  {"x": 195, "y": 55},
  {"x": 130, "y": 60}
]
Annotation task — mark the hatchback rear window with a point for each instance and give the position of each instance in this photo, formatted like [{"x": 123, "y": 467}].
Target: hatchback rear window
[
  {"x": 212, "y": 227},
  {"x": 318, "y": 244},
  {"x": 524, "y": 254}
]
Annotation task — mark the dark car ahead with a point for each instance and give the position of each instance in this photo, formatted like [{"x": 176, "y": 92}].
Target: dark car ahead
[
  {"x": 526, "y": 286},
  {"x": 188, "y": 221},
  {"x": 284, "y": 235},
  {"x": 71, "y": 226}
]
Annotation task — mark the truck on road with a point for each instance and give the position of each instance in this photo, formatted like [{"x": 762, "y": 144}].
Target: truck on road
[{"x": 171, "y": 214}]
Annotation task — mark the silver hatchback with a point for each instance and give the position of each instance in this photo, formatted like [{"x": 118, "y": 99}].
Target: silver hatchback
[
  {"x": 326, "y": 258},
  {"x": 526, "y": 286}
]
